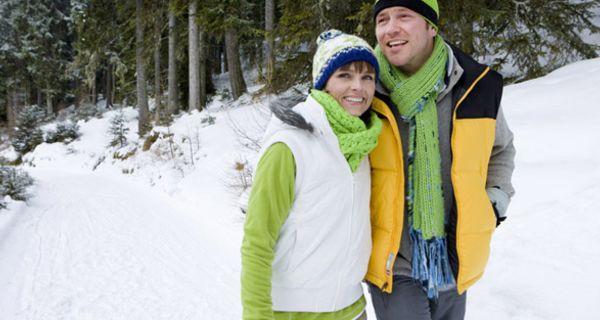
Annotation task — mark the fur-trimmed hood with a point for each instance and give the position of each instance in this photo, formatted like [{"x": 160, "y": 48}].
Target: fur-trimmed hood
[{"x": 283, "y": 109}]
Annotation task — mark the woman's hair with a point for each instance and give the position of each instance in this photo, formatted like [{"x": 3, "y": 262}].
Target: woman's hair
[{"x": 359, "y": 66}]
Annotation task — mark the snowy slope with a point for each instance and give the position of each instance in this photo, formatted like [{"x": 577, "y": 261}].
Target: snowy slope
[
  {"x": 545, "y": 258},
  {"x": 157, "y": 237}
]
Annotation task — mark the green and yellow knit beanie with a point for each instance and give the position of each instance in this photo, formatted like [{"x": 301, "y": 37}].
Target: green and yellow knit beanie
[{"x": 428, "y": 9}]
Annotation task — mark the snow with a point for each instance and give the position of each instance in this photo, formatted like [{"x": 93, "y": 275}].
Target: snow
[{"x": 157, "y": 235}]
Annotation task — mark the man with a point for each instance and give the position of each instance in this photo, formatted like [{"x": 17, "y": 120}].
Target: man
[{"x": 441, "y": 173}]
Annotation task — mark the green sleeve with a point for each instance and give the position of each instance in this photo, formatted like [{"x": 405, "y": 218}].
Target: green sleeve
[{"x": 268, "y": 207}]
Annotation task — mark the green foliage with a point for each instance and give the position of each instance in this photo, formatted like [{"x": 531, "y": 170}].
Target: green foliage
[
  {"x": 14, "y": 183},
  {"x": 53, "y": 47},
  {"x": 28, "y": 134},
  {"x": 217, "y": 15},
  {"x": 105, "y": 36},
  {"x": 364, "y": 22},
  {"x": 299, "y": 25},
  {"x": 34, "y": 46},
  {"x": 520, "y": 35}
]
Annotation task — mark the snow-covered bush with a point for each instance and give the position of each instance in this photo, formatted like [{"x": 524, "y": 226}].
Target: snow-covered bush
[
  {"x": 65, "y": 132},
  {"x": 14, "y": 183},
  {"x": 87, "y": 111},
  {"x": 28, "y": 134}
]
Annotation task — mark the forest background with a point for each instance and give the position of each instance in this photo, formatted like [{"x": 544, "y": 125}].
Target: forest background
[{"x": 60, "y": 53}]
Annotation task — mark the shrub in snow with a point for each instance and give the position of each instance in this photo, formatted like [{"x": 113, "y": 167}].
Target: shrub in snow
[
  {"x": 209, "y": 120},
  {"x": 150, "y": 140},
  {"x": 240, "y": 178},
  {"x": 27, "y": 130},
  {"x": 118, "y": 130},
  {"x": 125, "y": 152},
  {"x": 14, "y": 183},
  {"x": 87, "y": 111},
  {"x": 65, "y": 132}
]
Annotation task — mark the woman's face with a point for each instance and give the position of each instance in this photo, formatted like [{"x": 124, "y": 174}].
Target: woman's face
[{"x": 352, "y": 88}]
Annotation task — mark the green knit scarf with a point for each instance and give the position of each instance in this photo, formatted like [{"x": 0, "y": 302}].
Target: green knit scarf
[
  {"x": 415, "y": 96},
  {"x": 356, "y": 140}
]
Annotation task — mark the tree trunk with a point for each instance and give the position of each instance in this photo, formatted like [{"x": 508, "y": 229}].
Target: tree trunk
[
  {"x": 39, "y": 97},
  {"x": 216, "y": 57},
  {"x": 193, "y": 65},
  {"x": 77, "y": 91},
  {"x": 49, "y": 105},
  {"x": 269, "y": 44},
  {"x": 173, "y": 106},
  {"x": 142, "y": 99},
  {"x": 236, "y": 78},
  {"x": 94, "y": 94},
  {"x": 158, "y": 110},
  {"x": 203, "y": 69},
  {"x": 223, "y": 56},
  {"x": 109, "y": 81},
  {"x": 11, "y": 110}
]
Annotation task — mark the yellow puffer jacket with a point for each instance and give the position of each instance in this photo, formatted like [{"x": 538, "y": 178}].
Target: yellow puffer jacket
[{"x": 472, "y": 220}]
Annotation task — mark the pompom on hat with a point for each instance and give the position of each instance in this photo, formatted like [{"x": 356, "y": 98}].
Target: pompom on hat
[
  {"x": 336, "y": 49},
  {"x": 428, "y": 9}
]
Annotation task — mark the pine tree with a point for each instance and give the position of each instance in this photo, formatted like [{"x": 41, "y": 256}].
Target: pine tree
[
  {"x": 526, "y": 39},
  {"x": 103, "y": 48},
  {"x": 28, "y": 134},
  {"x": 34, "y": 52},
  {"x": 14, "y": 183},
  {"x": 300, "y": 23},
  {"x": 229, "y": 18},
  {"x": 118, "y": 130}
]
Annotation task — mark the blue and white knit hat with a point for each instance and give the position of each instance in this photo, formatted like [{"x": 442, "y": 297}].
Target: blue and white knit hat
[{"x": 336, "y": 49}]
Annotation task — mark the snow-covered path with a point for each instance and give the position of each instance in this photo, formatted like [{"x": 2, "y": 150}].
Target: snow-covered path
[{"x": 132, "y": 253}]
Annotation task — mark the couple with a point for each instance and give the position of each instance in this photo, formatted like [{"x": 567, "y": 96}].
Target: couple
[{"x": 395, "y": 170}]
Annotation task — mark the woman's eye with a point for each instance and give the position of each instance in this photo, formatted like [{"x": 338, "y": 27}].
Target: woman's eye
[
  {"x": 344, "y": 75},
  {"x": 369, "y": 77}
]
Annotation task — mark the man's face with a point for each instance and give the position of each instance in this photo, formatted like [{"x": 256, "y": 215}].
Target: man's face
[{"x": 405, "y": 38}]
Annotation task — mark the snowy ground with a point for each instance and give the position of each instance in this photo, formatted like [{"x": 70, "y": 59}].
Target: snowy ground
[{"x": 157, "y": 236}]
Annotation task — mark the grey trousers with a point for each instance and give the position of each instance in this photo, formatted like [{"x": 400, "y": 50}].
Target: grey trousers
[{"x": 408, "y": 301}]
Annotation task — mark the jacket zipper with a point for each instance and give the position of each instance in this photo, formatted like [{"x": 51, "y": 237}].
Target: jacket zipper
[{"x": 388, "y": 264}]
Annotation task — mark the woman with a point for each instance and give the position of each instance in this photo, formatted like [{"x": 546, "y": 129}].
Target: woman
[{"x": 307, "y": 236}]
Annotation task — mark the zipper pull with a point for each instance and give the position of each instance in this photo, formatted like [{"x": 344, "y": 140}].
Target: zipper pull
[{"x": 388, "y": 264}]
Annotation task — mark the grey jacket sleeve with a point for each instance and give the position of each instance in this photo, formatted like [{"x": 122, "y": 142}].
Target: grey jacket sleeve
[{"x": 502, "y": 163}]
